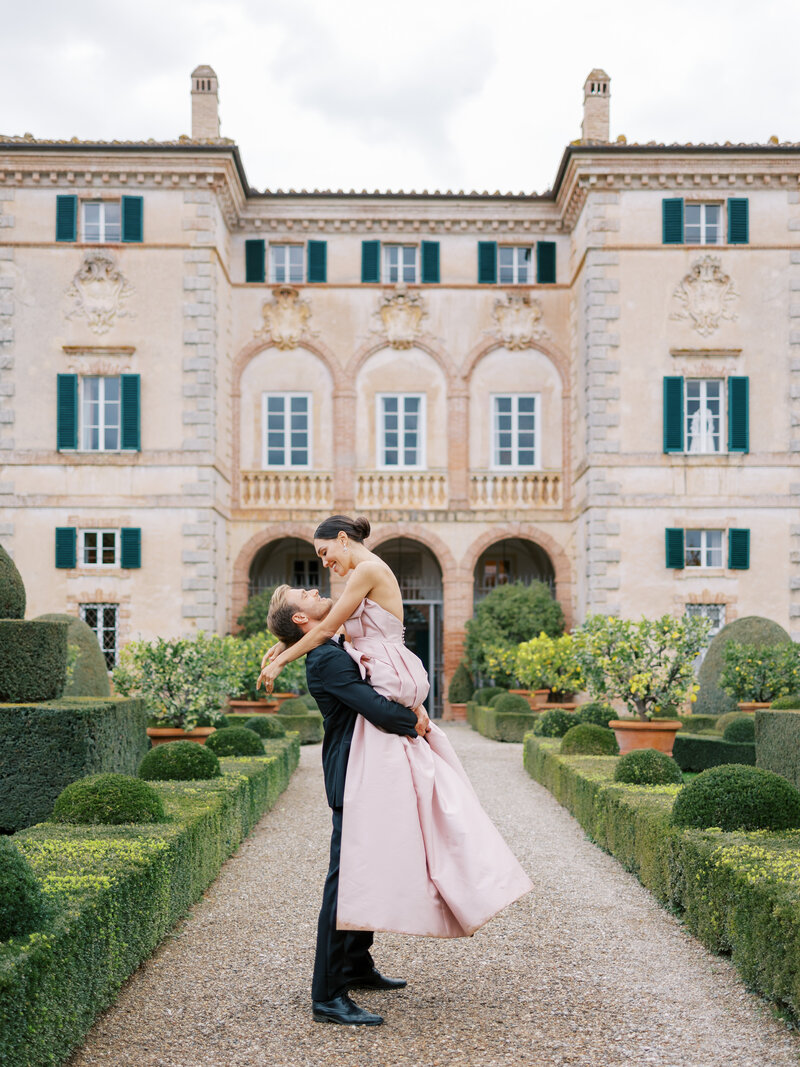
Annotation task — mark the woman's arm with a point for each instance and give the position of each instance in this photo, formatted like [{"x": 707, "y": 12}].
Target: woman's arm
[{"x": 359, "y": 585}]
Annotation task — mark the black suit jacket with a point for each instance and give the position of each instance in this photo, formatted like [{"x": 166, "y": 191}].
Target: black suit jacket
[{"x": 336, "y": 684}]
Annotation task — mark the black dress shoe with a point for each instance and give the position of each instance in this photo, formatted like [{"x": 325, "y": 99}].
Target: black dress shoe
[
  {"x": 375, "y": 980},
  {"x": 342, "y": 1010}
]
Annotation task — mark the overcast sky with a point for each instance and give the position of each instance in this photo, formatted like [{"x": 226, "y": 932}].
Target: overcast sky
[{"x": 423, "y": 94}]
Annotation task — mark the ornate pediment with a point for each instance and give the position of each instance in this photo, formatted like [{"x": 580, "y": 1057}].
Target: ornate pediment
[
  {"x": 400, "y": 314},
  {"x": 706, "y": 296},
  {"x": 285, "y": 317},
  {"x": 518, "y": 320},
  {"x": 99, "y": 292}
]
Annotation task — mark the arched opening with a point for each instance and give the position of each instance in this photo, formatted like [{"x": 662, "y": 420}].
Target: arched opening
[
  {"x": 288, "y": 560},
  {"x": 512, "y": 559},
  {"x": 420, "y": 577}
]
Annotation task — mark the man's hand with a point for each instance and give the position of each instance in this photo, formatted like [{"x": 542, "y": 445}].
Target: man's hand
[{"x": 423, "y": 722}]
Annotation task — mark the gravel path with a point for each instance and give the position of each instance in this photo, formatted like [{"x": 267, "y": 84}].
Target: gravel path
[{"x": 588, "y": 970}]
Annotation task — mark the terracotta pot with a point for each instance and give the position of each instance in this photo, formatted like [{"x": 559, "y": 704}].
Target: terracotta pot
[
  {"x": 633, "y": 733},
  {"x": 454, "y": 712},
  {"x": 749, "y": 707},
  {"x": 280, "y": 697},
  {"x": 521, "y": 692},
  {"x": 560, "y": 704},
  {"x": 538, "y": 697},
  {"x": 159, "y": 735},
  {"x": 254, "y": 707}
]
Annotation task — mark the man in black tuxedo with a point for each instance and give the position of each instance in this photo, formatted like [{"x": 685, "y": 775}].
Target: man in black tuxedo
[{"x": 342, "y": 959}]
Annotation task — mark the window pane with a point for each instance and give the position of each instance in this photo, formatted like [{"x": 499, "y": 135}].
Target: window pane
[
  {"x": 90, "y": 547},
  {"x": 299, "y": 403},
  {"x": 299, "y": 457},
  {"x": 714, "y": 548},
  {"x": 412, "y": 403},
  {"x": 390, "y": 457},
  {"x": 693, "y": 543},
  {"x": 502, "y": 403},
  {"x": 109, "y": 548},
  {"x": 91, "y": 221},
  {"x": 113, "y": 221},
  {"x": 390, "y": 403},
  {"x": 275, "y": 403},
  {"x": 275, "y": 457}
]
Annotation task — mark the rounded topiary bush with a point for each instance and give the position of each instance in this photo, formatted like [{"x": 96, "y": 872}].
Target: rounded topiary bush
[
  {"x": 741, "y": 729},
  {"x": 293, "y": 706},
  {"x": 511, "y": 702},
  {"x": 461, "y": 685},
  {"x": 90, "y": 674},
  {"x": 646, "y": 766},
  {"x": 588, "y": 739},
  {"x": 789, "y": 703},
  {"x": 596, "y": 713},
  {"x": 236, "y": 741},
  {"x": 485, "y": 695},
  {"x": 309, "y": 702},
  {"x": 737, "y": 797},
  {"x": 498, "y": 692},
  {"x": 23, "y": 907},
  {"x": 33, "y": 660},
  {"x": 724, "y": 720},
  {"x": 265, "y": 726},
  {"x": 749, "y": 630},
  {"x": 179, "y": 761},
  {"x": 12, "y": 589},
  {"x": 108, "y": 799},
  {"x": 554, "y": 723}
]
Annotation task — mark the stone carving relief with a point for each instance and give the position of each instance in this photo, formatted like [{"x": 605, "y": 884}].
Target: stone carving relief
[
  {"x": 285, "y": 317},
  {"x": 518, "y": 321},
  {"x": 400, "y": 314},
  {"x": 706, "y": 296},
  {"x": 99, "y": 292}
]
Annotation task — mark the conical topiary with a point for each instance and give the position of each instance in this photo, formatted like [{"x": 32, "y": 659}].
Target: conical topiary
[
  {"x": 90, "y": 676},
  {"x": 12, "y": 589},
  {"x": 461, "y": 685}
]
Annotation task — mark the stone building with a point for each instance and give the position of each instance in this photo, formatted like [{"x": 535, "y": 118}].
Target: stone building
[{"x": 569, "y": 386}]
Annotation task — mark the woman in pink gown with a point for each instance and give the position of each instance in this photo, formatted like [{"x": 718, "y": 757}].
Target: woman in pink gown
[{"x": 444, "y": 870}]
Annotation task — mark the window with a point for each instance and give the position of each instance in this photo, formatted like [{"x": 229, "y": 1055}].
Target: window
[
  {"x": 286, "y": 263},
  {"x": 100, "y": 414},
  {"x": 101, "y": 221},
  {"x": 287, "y": 430},
  {"x": 715, "y": 613},
  {"x": 703, "y": 415},
  {"x": 702, "y": 224},
  {"x": 514, "y": 431},
  {"x": 103, "y": 619},
  {"x": 400, "y": 430},
  {"x": 703, "y": 548},
  {"x": 306, "y": 574},
  {"x": 399, "y": 263},
  {"x": 515, "y": 265},
  {"x": 495, "y": 572},
  {"x": 99, "y": 548}
]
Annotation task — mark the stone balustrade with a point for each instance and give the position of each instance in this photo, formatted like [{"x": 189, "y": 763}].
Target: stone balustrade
[
  {"x": 287, "y": 489},
  {"x": 515, "y": 489},
  {"x": 401, "y": 489}
]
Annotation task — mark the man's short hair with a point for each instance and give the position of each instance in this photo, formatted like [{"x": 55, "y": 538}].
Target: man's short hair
[{"x": 279, "y": 617}]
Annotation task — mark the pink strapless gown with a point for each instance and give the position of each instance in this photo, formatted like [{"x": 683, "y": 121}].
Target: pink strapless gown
[{"x": 419, "y": 853}]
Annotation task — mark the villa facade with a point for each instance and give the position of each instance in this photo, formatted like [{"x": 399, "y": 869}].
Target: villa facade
[{"x": 598, "y": 386}]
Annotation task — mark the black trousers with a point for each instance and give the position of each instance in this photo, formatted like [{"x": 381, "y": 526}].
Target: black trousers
[{"x": 342, "y": 955}]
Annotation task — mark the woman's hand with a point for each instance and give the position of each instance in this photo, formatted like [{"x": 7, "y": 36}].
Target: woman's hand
[
  {"x": 423, "y": 722},
  {"x": 268, "y": 675},
  {"x": 271, "y": 653}
]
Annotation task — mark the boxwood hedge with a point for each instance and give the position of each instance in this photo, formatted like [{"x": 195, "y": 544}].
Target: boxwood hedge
[
  {"x": 698, "y": 752},
  {"x": 115, "y": 892},
  {"x": 737, "y": 892},
  {"x": 778, "y": 743},
  {"x": 46, "y": 746},
  {"x": 33, "y": 660},
  {"x": 500, "y": 725}
]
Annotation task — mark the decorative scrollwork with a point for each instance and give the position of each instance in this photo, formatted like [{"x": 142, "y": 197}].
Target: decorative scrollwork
[
  {"x": 99, "y": 292},
  {"x": 706, "y": 296}
]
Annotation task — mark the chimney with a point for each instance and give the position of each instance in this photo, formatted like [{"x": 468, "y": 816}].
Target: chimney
[
  {"x": 205, "y": 105},
  {"x": 596, "y": 96}
]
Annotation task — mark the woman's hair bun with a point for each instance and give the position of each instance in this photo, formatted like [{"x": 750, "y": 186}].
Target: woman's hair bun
[{"x": 361, "y": 527}]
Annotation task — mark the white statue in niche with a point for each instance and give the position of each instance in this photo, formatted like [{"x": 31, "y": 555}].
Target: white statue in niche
[
  {"x": 706, "y": 296},
  {"x": 518, "y": 321},
  {"x": 99, "y": 291},
  {"x": 285, "y": 317}
]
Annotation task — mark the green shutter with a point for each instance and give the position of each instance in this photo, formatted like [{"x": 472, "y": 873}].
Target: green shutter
[
  {"x": 66, "y": 218},
  {"x": 739, "y": 550},
  {"x": 254, "y": 260},
  {"x": 430, "y": 262},
  {"x": 370, "y": 261},
  {"x": 130, "y": 419},
  {"x": 674, "y": 547},
  {"x": 738, "y": 414},
  {"x": 66, "y": 547},
  {"x": 672, "y": 221},
  {"x": 738, "y": 221},
  {"x": 132, "y": 219},
  {"x": 545, "y": 262},
  {"x": 673, "y": 414},
  {"x": 130, "y": 538},
  {"x": 317, "y": 258},
  {"x": 487, "y": 262},
  {"x": 67, "y": 411}
]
